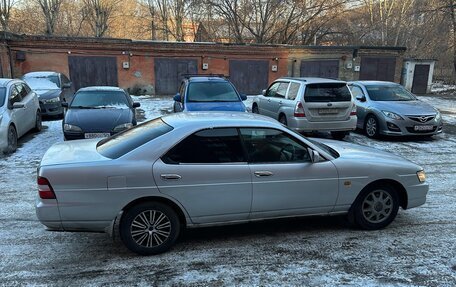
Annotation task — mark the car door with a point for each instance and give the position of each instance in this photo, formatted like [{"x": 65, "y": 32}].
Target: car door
[
  {"x": 18, "y": 115},
  {"x": 265, "y": 102},
  {"x": 279, "y": 99},
  {"x": 208, "y": 174},
  {"x": 30, "y": 108},
  {"x": 285, "y": 180},
  {"x": 361, "y": 103}
]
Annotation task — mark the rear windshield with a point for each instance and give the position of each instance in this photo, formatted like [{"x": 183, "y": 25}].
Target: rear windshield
[
  {"x": 99, "y": 99},
  {"x": 211, "y": 92},
  {"x": 389, "y": 93},
  {"x": 327, "y": 92},
  {"x": 2, "y": 96},
  {"x": 124, "y": 142}
]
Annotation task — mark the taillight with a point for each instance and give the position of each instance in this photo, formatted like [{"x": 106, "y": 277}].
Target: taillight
[
  {"x": 299, "y": 110},
  {"x": 45, "y": 189},
  {"x": 353, "y": 111}
]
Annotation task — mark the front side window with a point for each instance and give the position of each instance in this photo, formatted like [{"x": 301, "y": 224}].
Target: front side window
[
  {"x": 211, "y": 92},
  {"x": 356, "y": 91},
  {"x": 327, "y": 92},
  {"x": 282, "y": 90},
  {"x": 2, "y": 96},
  {"x": 207, "y": 146},
  {"x": 271, "y": 92},
  {"x": 21, "y": 90},
  {"x": 15, "y": 96},
  {"x": 100, "y": 99},
  {"x": 269, "y": 145},
  {"x": 389, "y": 93}
]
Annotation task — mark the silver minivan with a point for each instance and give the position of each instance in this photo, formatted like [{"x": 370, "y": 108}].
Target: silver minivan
[{"x": 309, "y": 104}]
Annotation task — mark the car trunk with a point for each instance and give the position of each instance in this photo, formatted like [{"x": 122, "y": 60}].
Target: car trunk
[{"x": 327, "y": 102}]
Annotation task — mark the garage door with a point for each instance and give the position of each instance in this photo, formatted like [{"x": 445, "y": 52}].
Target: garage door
[
  {"x": 381, "y": 69},
  {"x": 92, "y": 71},
  {"x": 320, "y": 68},
  {"x": 249, "y": 76},
  {"x": 420, "y": 79},
  {"x": 170, "y": 71}
]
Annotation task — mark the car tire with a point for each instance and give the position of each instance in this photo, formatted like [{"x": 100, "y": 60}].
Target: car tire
[
  {"x": 12, "y": 140},
  {"x": 149, "y": 228},
  {"x": 283, "y": 120},
  {"x": 38, "y": 122},
  {"x": 338, "y": 135},
  {"x": 371, "y": 127},
  {"x": 255, "y": 109},
  {"x": 375, "y": 208}
]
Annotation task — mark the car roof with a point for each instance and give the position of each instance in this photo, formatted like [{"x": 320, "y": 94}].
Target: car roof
[
  {"x": 374, "y": 83},
  {"x": 100, "y": 88},
  {"x": 206, "y": 79},
  {"x": 312, "y": 80},
  {"x": 41, "y": 74},
  {"x": 5, "y": 81},
  {"x": 218, "y": 119}
]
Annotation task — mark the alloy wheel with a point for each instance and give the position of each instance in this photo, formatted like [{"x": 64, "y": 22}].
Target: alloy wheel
[
  {"x": 150, "y": 228},
  {"x": 371, "y": 127}
]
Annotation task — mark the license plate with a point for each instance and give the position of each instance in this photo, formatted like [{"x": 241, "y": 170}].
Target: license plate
[
  {"x": 96, "y": 135},
  {"x": 328, "y": 111},
  {"x": 423, "y": 128}
]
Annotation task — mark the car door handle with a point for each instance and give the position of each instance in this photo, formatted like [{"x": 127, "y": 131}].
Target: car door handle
[
  {"x": 280, "y": 103},
  {"x": 269, "y": 100},
  {"x": 263, "y": 173},
  {"x": 170, "y": 176}
]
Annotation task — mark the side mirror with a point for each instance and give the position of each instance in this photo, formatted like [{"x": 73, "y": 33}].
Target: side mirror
[
  {"x": 243, "y": 97},
  {"x": 177, "y": 98},
  {"x": 263, "y": 92},
  {"x": 66, "y": 85},
  {"x": 314, "y": 155},
  {"x": 136, "y": 105},
  {"x": 65, "y": 104},
  {"x": 361, "y": 98},
  {"x": 18, "y": 105}
]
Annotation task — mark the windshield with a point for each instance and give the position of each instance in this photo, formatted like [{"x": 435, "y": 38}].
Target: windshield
[
  {"x": 212, "y": 92},
  {"x": 43, "y": 82},
  {"x": 389, "y": 93},
  {"x": 2, "y": 96},
  {"x": 99, "y": 100},
  {"x": 124, "y": 142},
  {"x": 327, "y": 92}
]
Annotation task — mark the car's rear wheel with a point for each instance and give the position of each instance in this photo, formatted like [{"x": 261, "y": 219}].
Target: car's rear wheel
[
  {"x": 338, "y": 135},
  {"x": 38, "y": 122},
  {"x": 12, "y": 140},
  {"x": 371, "y": 126},
  {"x": 283, "y": 120},
  {"x": 375, "y": 208},
  {"x": 149, "y": 228},
  {"x": 255, "y": 109}
]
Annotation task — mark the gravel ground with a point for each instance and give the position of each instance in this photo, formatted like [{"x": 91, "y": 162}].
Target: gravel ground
[{"x": 417, "y": 249}]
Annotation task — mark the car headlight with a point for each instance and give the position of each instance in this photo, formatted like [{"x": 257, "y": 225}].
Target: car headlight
[
  {"x": 53, "y": 100},
  {"x": 421, "y": 175},
  {"x": 392, "y": 115},
  {"x": 438, "y": 116},
  {"x": 122, "y": 127},
  {"x": 71, "y": 128}
]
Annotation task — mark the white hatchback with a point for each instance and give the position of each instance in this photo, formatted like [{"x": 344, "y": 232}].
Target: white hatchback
[
  {"x": 19, "y": 112},
  {"x": 309, "y": 104}
]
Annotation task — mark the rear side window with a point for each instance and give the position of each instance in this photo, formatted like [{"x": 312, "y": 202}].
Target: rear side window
[
  {"x": 207, "y": 146},
  {"x": 327, "y": 92},
  {"x": 293, "y": 91},
  {"x": 124, "y": 142}
]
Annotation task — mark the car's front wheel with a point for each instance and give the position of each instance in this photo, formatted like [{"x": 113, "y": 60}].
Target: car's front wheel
[
  {"x": 375, "y": 207},
  {"x": 12, "y": 140},
  {"x": 371, "y": 127},
  {"x": 338, "y": 135},
  {"x": 149, "y": 228},
  {"x": 38, "y": 122}
]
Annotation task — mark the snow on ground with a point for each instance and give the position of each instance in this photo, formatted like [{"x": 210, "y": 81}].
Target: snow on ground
[{"x": 417, "y": 249}]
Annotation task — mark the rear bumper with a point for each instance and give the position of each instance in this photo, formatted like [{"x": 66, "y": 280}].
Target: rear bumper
[
  {"x": 47, "y": 212},
  {"x": 304, "y": 125}
]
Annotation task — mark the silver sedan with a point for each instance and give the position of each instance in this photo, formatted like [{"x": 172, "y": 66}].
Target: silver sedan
[
  {"x": 386, "y": 108},
  {"x": 201, "y": 169}
]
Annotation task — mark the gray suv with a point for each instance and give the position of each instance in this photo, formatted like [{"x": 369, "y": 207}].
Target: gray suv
[{"x": 309, "y": 104}]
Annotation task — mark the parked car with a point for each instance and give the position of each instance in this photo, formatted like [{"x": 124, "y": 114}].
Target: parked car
[
  {"x": 98, "y": 112},
  {"x": 386, "y": 108},
  {"x": 309, "y": 104},
  {"x": 208, "y": 93},
  {"x": 206, "y": 168},
  {"x": 19, "y": 113},
  {"x": 52, "y": 88}
]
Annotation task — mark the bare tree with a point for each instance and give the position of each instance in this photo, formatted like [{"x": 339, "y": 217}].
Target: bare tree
[
  {"x": 51, "y": 9},
  {"x": 99, "y": 14},
  {"x": 5, "y": 12}
]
